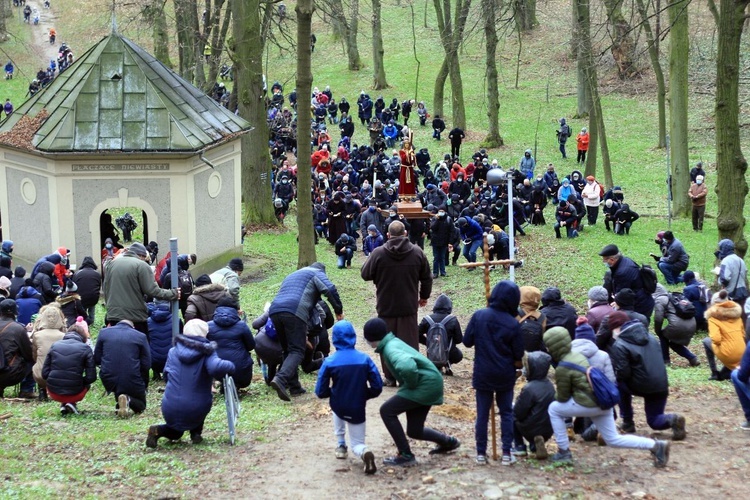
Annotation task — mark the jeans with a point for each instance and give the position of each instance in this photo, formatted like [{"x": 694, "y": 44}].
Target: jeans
[
  {"x": 436, "y": 134},
  {"x": 562, "y": 150},
  {"x": 680, "y": 350},
  {"x": 470, "y": 251},
  {"x": 504, "y": 401},
  {"x": 622, "y": 228},
  {"x": 389, "y": 142},
  {"x": 604, "y": 421},
  {"x": 345, "y": 259},
  {"x": 711, "y": 360},
  {"x": 416, "y": 414},
  {"x": 743, "y": 393},
  {"x": 356, "y": 435},
  {"x": 439, "y": 259},
  {"x": 670, "y": 273},
  {"x": 570, "y": 231},
  {"x": 653, "y": 405},
  {"x": 292, "y": 334}
]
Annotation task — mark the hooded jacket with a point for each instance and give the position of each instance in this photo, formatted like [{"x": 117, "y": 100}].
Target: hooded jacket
[
  {"x": 676, "y": 255},
  {"x": 71, "y": 306},
  {"x": 732, "y": 271},
  {"x": 192, "y": 365},
  {"x": 203, "y": 301},
  {"x": 471, "y": 230},
  {"x": 498, "y": 340},
  {"x": 353, "y": 373},
  {"x": 89, "y": 282},
  {"x": 558, "y": 312},
  {"x": 442, "y": 308},
  {"x": 595, "y": 357},
  {"x": 69, "y": 366},
  {"x": 124, "y": 358},
  {"x": 234, "y": 341},
  {"x": 50, "y": 329},
  {"x": 570, "y": 383},
  {"x": 417, "y": 377},
  {"x": 726, "y": 332},
  {"x": 527, "y": 164},
  {"x": 45, "y": 283},
  {"x": 16, "y": 346},
  {"x": 678, "y": 330},
  {"x": 637, "y": 360},
  {"x": 159, "y": 333},
  {"x": 29, "y": 301},
  {"x": 627, "y": 274},
  {"x": 530, "y": 408},
  {"x": 402, "y": 276},
  {"x": 301, "y": 291}
]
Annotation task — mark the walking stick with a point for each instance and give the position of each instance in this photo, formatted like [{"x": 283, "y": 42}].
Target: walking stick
[{"x": 487, "y": 264}]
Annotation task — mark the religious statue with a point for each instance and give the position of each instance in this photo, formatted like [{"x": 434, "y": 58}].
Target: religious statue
[{"x": 407, "y": 179}]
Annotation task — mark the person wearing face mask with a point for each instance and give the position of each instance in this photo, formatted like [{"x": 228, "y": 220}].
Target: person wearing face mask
[
  {"x": 370, "y": 217},
  {"x": 527, "y": 164},
  {"x": 7, "y": 249},
  {"x": 697, "y": 194},
  {"x": 591, "y": 194},
  {"x": 441, "y": 228},
  {"x": 460, "y": 187},
  {"x": 284, "y": 189},
  {"x": 393, "y": 216}
]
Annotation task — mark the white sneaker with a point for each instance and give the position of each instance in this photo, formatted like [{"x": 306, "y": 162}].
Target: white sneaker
[{"x": 508, "y": 460}]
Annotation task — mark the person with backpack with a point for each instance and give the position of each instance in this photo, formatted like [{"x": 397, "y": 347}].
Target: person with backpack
[
  {"x": 441, "y": 333},
  {"x": 732, "y": 272},
  {"x": 636, "y": 360},
  {"x": 679, "y": 315},
  {"x": 229, "y": 276},
  {"x": 349, "y": 378},
  {"x": 530, "y": 411},
  {"x": 498, "y": 357},
  {"x": 574, "y": 397},
  {"x": 726, "y": 336},
  {"x": 532, "y": 321},
  {"x": 563, "y": 134},
  {"x": 185, "y": 282},
  {"x": 627, "y": 274},
  {"x": 698, "y": 293}
]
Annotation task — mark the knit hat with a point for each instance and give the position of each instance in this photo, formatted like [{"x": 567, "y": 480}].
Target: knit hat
[
  {"x": 590, "y": 178},
  {"x": 660, "y": 235},
  {"x": 609, "y": 251},
  {"x": 8, "y": 307},
  {"x": 227, "y": 301},
  {"x": 616, "y": 320},
  {"x": 236, "y": 264},
  {"x": 430, "y": 187},
  {"x": 372, "y": 227},
  {"x": 139, "y": 249},
  {"x": 688, "y": 277},
  {"x": 717, "y": 298},
  {"x": 70, "y": 286},
  {"x": 598, "y": 294},
  {"x": 203, "y": 279},
  {"x": 196, "y": 328},
  {"x": 82, "y": 324},
  {"x": 374, "y": 330},
  {"x": 20, "y": 272},
  {"x": 5, "y": 283},
  {"x": 625, "y": 298},
  {"x": 584, "y": 330}
]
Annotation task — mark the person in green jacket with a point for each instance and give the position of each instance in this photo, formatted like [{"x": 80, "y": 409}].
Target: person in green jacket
[
  {"x": 420, "y": 388},
  {"x": 574, "y": 398}
]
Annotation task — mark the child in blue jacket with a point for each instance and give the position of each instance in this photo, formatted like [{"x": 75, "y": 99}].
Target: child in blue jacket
[{"x": 355, "y": 380}]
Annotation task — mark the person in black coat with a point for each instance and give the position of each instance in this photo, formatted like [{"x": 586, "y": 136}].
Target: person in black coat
[
  {"x": 5, "y": 269},
  {"x": 344, "y": 248},
  {"x": 624, "y": 219},
  {"x": 624, "y": 301},
  {"x": 19, "y": 357},
  {"x": 531, "y": 420},
  {"x": 438, "y": 127},
  {"x": 442, "y": 308},
  {"x": 640, "y": 371},
  {"x": 89, "y": 282},
  {"x": 69, "y": 370},
  {"x": 17, "y": 282},
  {"x": 627, "y": 274},
  {"x": 124, "y": 358},
  {"x": 441, "y": 228},
  {"x": 558, "y": 312},
  {"x": 456, "y": 136},
  {"x": 70, "y": 303},
  {"x": 45, "y": 282},
  {"x": 234, "y": 340}
]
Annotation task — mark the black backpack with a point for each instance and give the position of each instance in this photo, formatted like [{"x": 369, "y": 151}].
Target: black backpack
[
  {"x": 532, "y": 330},
  {"x": 648, "y": 278},
  {"x": 438, "y": 342},
  {"x": 185, "y": 283},
  {"x": 683, "y": 308}
]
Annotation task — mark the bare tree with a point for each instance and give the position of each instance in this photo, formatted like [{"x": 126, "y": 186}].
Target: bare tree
[
  {"x": 189, "y": 48},
  {"x": 378, "y": 68},
  {"x": 524, "y": 12},
  {"x": 623, "y": 45},
  {"x": 451, "y": 28},
  {"x": 489, "y": 13},
  {"x": 678, "y": 104},
  {"x": 348, "y": 25},
  {"x": 153, "y": 13},
  {"x": 653, "y": 52}
]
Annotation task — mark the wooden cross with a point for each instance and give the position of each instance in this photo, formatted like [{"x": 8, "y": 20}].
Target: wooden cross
[{"x": 487, "y": 264}]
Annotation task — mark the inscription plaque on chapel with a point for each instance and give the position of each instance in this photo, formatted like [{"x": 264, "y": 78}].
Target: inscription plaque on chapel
[{"x": 134, "y": 167}]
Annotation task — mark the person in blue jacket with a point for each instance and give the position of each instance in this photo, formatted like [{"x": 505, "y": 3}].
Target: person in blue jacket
[
  {"x": 234, "y": 340},
  {"x": 390, "y": 132},
  {"x": 349, "y": 378},
  {"x": 497, "y": 363},
  {"x": 472, "y": 236},
  {"x": 192, "y": 365},
  {"x": 159, "y": 335},
  {"x": 741, "y": 382}
]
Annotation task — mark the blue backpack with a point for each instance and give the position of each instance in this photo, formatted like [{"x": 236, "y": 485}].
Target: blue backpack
[{"x": 606, "y": 393}]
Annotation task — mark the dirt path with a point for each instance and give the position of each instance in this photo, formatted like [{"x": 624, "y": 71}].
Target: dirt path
[{"x": 40, "y": 39}]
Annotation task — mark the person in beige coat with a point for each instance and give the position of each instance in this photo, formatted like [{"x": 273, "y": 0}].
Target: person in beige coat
[{"x": 48, "y": 329}]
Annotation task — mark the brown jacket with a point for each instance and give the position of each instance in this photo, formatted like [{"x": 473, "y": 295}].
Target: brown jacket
[
  {"x": 202, "y": 303},
  {"x": 697, "y": 193},
  {"x": 50, "y": 328},
  {"x": 402, "y": 276}
]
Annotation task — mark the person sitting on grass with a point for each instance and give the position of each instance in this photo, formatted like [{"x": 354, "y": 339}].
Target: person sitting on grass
[
  {"x": 349, "y": 378},
  {"x": 192, "y": 365},
  {"x": 69, "y": 370},
  {"x": 530, "y": 418},
  {"x": 421, "y": 387},
  {"x": 574, "y": 398}
]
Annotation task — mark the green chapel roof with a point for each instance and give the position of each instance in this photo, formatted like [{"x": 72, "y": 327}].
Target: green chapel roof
[{"x": 118, "y": 97}]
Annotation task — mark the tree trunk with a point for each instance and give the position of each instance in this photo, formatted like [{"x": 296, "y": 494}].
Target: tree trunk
[
  {"x": 583, "y": 93},
  {"x": 218, "y": 36},
  {"x": 439, "y": 93},
  {"x": 661, "y": 91},
  {"x": 678, "y": 106},
  {"x": 6, "y": 11},
  {"x": 185, "y": 40},
  {"x": 154, "y": 13},
  {"x": 306, "y": 256},
  {"x": 524, "y": 14},
  {"x": 451, "y": 35},
  {"x": 493, "y": 139},
  {"x": 731, "y": 165},
  {"x": 379, "y": 81},
  {"x": 352, "y": 29},
  {"x": 623, "y": 46},
  {"x": 248, "y": 87}
]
